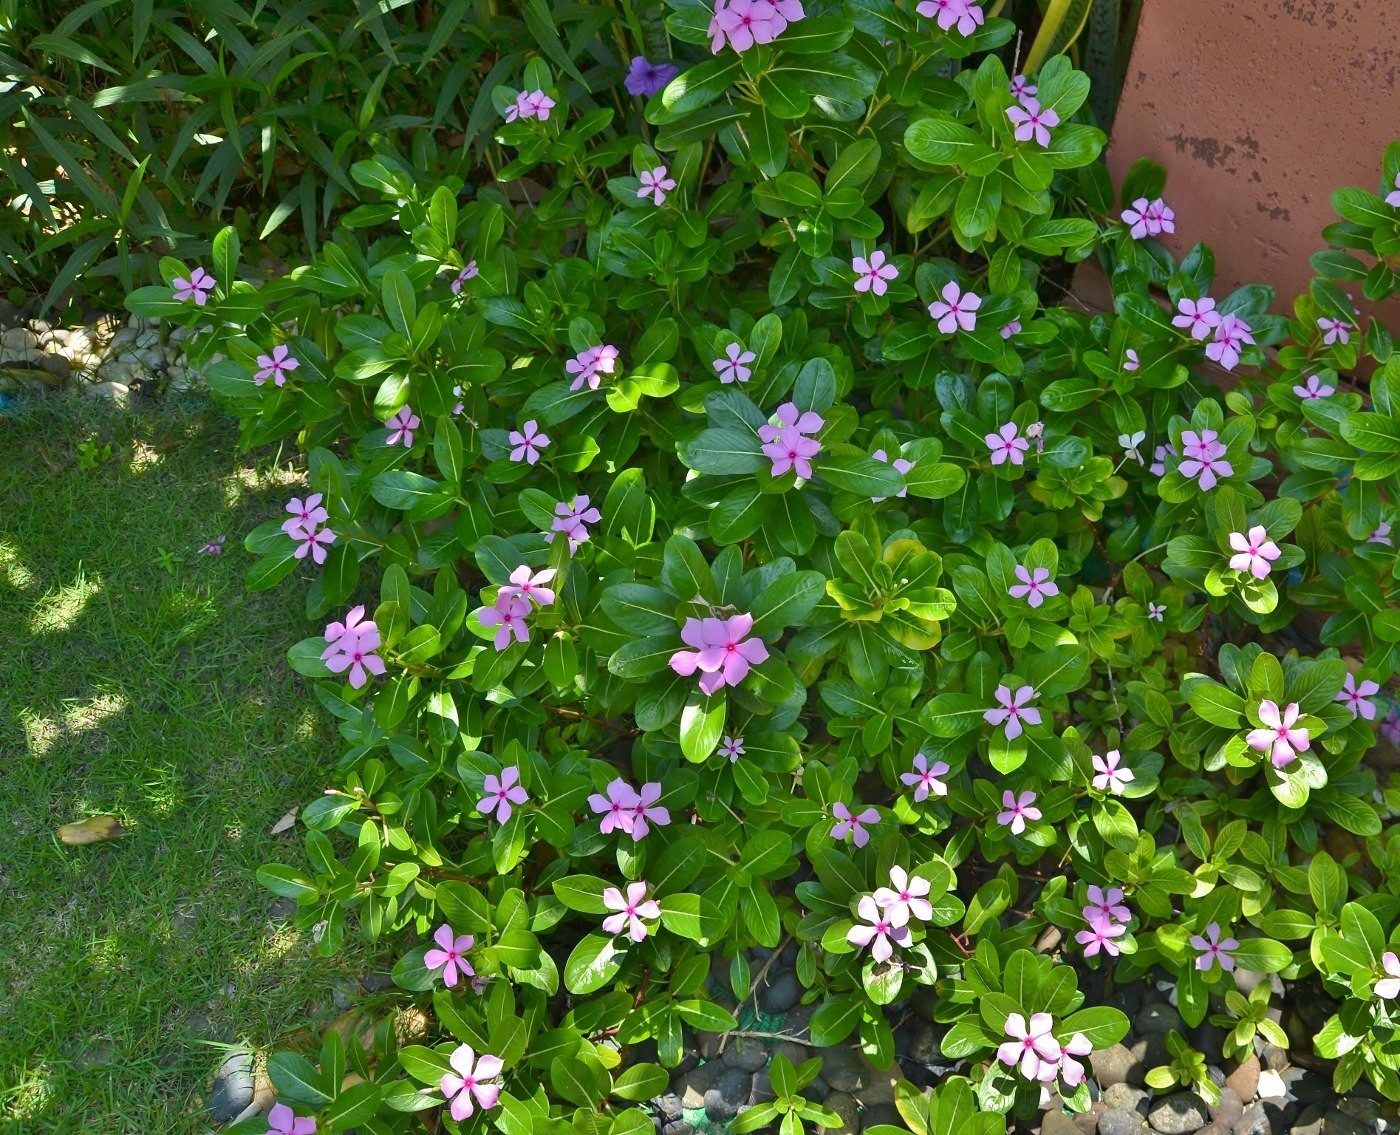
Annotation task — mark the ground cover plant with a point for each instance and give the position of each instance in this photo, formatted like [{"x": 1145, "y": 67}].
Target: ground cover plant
[
  {"x": 129, "y": 693},
  {"x": 718, "y": 536}
]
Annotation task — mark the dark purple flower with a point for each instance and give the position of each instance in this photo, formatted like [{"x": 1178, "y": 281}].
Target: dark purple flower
[{"x": 645, "y": 79}]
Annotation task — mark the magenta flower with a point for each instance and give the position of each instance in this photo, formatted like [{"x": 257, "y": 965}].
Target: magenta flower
[
  {"x": 1130, "y": 360},
  {"x": 1034, "y": 587},
  {"x": 1199, "y": 317},
  {"x": 853, "y": 825},
  {"x": 589, "y": 364},
  {"x": 906, "y": 897},
  {"x": 1162, "y": 215},
  {"x": 530, "y": 585},
  {"x": 1355, "y": 697},
  {"x": 1099, "y": 936},
  {"x": 572, "y": 519},
  {"x": 1010, "y": 329},
  {"x": 1007, "y": 446},
  {"x": 901, "y": 466},
  {"x": 1281, "y": 736},
  {"x": 530, "y": 104},
  {"x": 926, "y": 777},
  {"x": 527, "y": 442},
  {"x": 1253, "y": 552},
  {"x": 1393, "y": 197},
  {"x": 198, "y": 287},
  {"x": 1112, "y": 773},
  {"x": 215, "y": 547},
  {"x": 313, "y": 541},
  {"x": 352, "y": 646},
  {"x": 1032, "y": 122},
  {"x": 618, "y": 808},
  {"x": 1335, "y": 330},
  {"x": 501, "y": 793},
  {"x": 787, "y": 445},
  {"x": 645, "y": 79},
  {"x": 1014, "y": 710},
  {"x": 1381, "y": 535},
  {"x": 1107, "y": 905},
  {"x": 1389, "y": 987},
  {"x": 655, "y": 184},
  {"x": 281, "y": 1120},
  {"x": 743, "y": 23},
  {"x": 872, "y": 274},
  {"x": 630, "y": 911},
  {"x": 401, "y": 427},
  {"x": 467, "y": 273},
  {"x": 1021, "y": 86},
  {"x": 1028, "y": 1046},
  {"x": 507, "y": 615},
  {"x": 733, "y": 748},
  {"x": 1231, "y": 335},
  {"x": 1204, "y": 458},
  {"x": 1149, "y": 218},
  {"x": 880, "y": 929},
  {"x": 723, "y": 651},
  {"x": 469, "y": 1079},
  {"x": 1212, "y": 949},
  {"x": 275, "y": 366},
  {"x": 963, "y": 14},
  {"x": 1072, "y": 1070},
  {"x": 1156, "y": 611},
  {"x": 791, "y": 418},
  {"x": 734, "y": 366},
  {"x": 645, "y": 810},
  {"x": 1314, "y": 389},
  {"x": 450, "y": 955},
  {"x": 305, "y": 514},
  {"x": 1019, "y": 809},
  {"x": 957, "y": 309}
]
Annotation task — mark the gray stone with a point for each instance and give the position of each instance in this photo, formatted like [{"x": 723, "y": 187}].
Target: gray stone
[
  {"x": 115, "y": 392},
  {"x": 1126, "y": 1097},
  {"x": 1361, "y": 1108},
  {"x": 1307, "y": 1087},
  {"x": 761, "y": 1090},
  {"x": 1157, "y": 1018},
  {"x": 885, "y": 1113},
  {"x": 746, "y": 1053},
  {"x": 692, "y": 1086},
  {"x": 1273, "y": 1056},
  {"x": 846, "y": 1107},
  {"x": 152, "y": 357},
  {"x": 376, "y": 982},
  {"x": 343, "y": 992},
  {"x": 1228, "y": 1111},
  {"x": 1245, "y": 1078},
  {"x": 1122, "y": 1121},
  {"x": 707, "y": 1046},
  {"x": 232, "y": 1089},
  {"x": 1116, "y": 1065},
  {"x": 679, "y": 1127},
  {"x": 1179, "y": 1114},
  {"x": 57, "y": 366},
  {"x": 1338, "y": 1122},
  {"x": 122, "y": 338},
  {"x": 19, "y": 339},
  {"x": 844, "y": 1069},
  {"x": 1254, "y": 1121},
  {"x": 923, "y": 1045},
  {"x": 1056, "y": 1122},
  {"x": 1309, "y": 1122},
  {"x": 781, "y": 993},
  {"x": 669, "y": 1107},
  {"x": 729, "y": 1094},
  {"x": 795, "y": 1052}
]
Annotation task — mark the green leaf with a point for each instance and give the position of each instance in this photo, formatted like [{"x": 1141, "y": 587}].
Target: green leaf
[
  {"x": 702, "y": 724},
  {"x": 593, "y": 963},
  {"x": 856, "y": 473},
  {"x": 641, "y": 1082},
  {"x": 786, "y": 602},
  {"x": 296, "y": 1080},
  {"x": 835, "y": 1019}
]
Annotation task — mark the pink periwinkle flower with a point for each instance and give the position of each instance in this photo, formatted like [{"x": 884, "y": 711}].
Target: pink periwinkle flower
[
  {"x": 281, "y": 1120},
  {"x": 467, "y": 273},
  {"x": 527, "y": 442},
  {"x": 502, "y": 792},
  {"x": 1149, "y": 218},
  {"x": 199, "y": 287},
  {"x": 352, "y": 646},
  {"x": 275, "y": 366},
  {"x": 508, "y": 616},
  {"x": 1389, "y": 986},
  {"x": 591, "y": 363},
  {"x": 1381, "y": 535},
  {"x": 881, "y": 930},
  {"x": 872, "y": 274},
  {"x": 618, "y": 808},
  {"x": 1033, "y": 122},
  {"x": 459, "y": 405},
  {"x": 1107, "y": 904},
  {"x": 786, "y": 445},
  {"x": 1100, "y": 935},
  {"x": 1336, "y": 330},
  {"x": 655, "y": 184},
  {"x": 1198, "y": 317},
  {"x": 1072, "y": 1070},
  {"x": 1111, "y": 774},
  {"x": 1156, "y": 611},
  {"x": 790, "y": 418},
  {"x": 723, "y": 651},
  {"x": 305, "y": 514},
  {"x": 1158, "y": 467},
  {"x": 1315, "y": 388},
  {"x": 1355, "y": 697},
  {"x": 313, "y": 542},
  {"x": 1253, "y": 553},
  {"x": 901, "y": 466},
  {"x": 1014, "y": 709},
  {"x": 743, "y": 23},
  {"x": 1131, "y": 360},
  {"x": 1390, "y": 727},
  {"x": 530, "y": 104},
  {"x": 1204, "y": 459},
  {"x": 1010, "y": 329},
  {"x": 1006, "y": 445},
  {"x": 467, "y": 1086},
  {"x": 962, "y": 14},
  {"x": 645, "y": 78},
  {"x": 1019, "y": 809},
  {"x": 401, "y": 427},
  {"x": 957, "y": 309},
  {"x": 853, "y": 824},
  {"x": 631, "y": 910},
  {"x": 1035, "y": 586},
  {"x": 906, "y": 894},
  {"x": 572, "y": 520},
  {"x": 450, "y": 956},
  {"x": 925, "y": 778},
  {"x": 646, "y": 810},
  {"x": 1021, "y": 87},
  {"x": 530, "y": 585},
  {"x": 1231, "y": 335},
  {"x": 1281, "y": 737},
  {"x": 734, "y": 366},
  {"x": 1210, "y": 949},
  {"x": 1393, "y": 197},
  {"x": 733, "y": 748},
  {"x": 215, "y": 547},
  {"x": 1029, "y": 1045}
]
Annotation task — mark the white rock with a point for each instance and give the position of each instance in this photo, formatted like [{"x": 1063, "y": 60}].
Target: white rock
[
  {"x": 147, "y": 339},
  {"x": 19, "y": 339},
  {"x": 79, "y": 340},
  {"x": 181, "y": 333},
  {"x": 114, "y": 392},
  {"x": 134, "y": 322},
  {"x": 123, "y": 337},
  {"x": 153, "y": 357},
  {"x": 1271, "y": 1085},
  {"x": 53, "y": 338}
]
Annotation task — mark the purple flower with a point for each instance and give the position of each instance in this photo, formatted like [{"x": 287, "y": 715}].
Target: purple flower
[
  {"x": 872, "y": 274},
  {"x": 1032, "y": 122},
  {"x": 1381, "y": 535},
  {"x": 1335, "y": 330},
  {"x": 787, "y": 445},
  {"x": 1014, "y": 710},
  {"x": 1007, "y": 446},
  {"x": 459, "y": 405},
  {"x": 1231, "y": 334},
  {"x": 734, "y": 366},
  {"x": 275, "y": 366},
  {"x": 1099, "y": 936},
  {"x": 1010, "y": 329},
  {"x": 743, "y": 23},
  {"x": 790, "y": 418},
  {"x": 1253, "y": 552},
  {"x": 723, "y": 651},
  {"x": 901, "y": 466},
  {"x": 1034, "y": 586},
  {"x": 1021, "y": 86},
  {"x": 1393, "y": 197},
  {"x": 501, "y": 793},
  {"x": 1199, "y": 318},
  {"x": 733, "y": 748},
  {"x": 467, "y": 273},
  {"x": 450, "y": 956},
  {"x": 530, "y": 585},
  {"x": 957, "y": 309},
  {"x": 1281, "y": 737},
  {"x": 589, "y": 363},
  {"x": 1112, "y": 773},
  {"x": 305, "y": 514},
  {"x": 630, "y": 911},
  {"x": 655, "y": 184},
  {"x": 198, "y": 287},
  {"x": 1028, "y": 1046},
  {"x": 965, "y": 15},
  {"x": 1204, "y": 459},
  {"x": 645, "y": 809},
  {"x": 1019, "y": 809},
  {"x": 507, "y": 615},
  {"x": 281, "y": 1120},
  {"x": 468, "y": 1079},
  {"x": 527, "y": 442},
  {"x": 1389, "y": 987},
  {"x": 905, "y": 897},
  {"x": 1156, "y": 611},
  {"x": 880, "y": 929},
  {"x": 215, "y": 547},
  {"x": 926, "y": 777},
  {"x": 645, "y": 79},
  {"x": 1159, "y": 459},
  {"x": 852, "y": 824},
  {"x": 401, "y": 427},
  {"x": 313, "y": 541},
  {"x": 1149, "y": 218},
  {"x": 530, "y": 104},
  {"x": 1390, "y": 727},
  {"x": 1211, "y": 949},
  {"x": 618, "y": 807},
  {"x": 1106, "y": 904},
  {"x": 1355, "y": 697},
  {"x": 1130, "y": 360},
  {"x": 352, "y": 646},
  {"x": 1314, "y": 389},
  {"x": 572, "y": 519}
]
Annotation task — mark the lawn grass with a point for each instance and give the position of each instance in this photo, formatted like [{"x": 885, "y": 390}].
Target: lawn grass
[{"x": 137, "y": 679}]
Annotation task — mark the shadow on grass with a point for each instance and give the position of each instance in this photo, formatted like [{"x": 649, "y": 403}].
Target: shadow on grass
[{"x": 140, "y": 680}]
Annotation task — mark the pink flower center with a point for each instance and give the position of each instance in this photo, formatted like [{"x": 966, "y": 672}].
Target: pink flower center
[{"x": 1282, "y": 731}]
